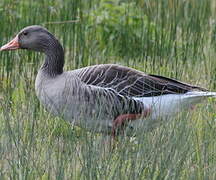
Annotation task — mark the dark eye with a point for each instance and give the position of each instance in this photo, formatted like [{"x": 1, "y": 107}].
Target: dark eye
[{"x": 25, "y": 33}]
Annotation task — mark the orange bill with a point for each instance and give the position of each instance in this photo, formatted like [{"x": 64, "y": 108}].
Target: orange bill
[{"x": 12, "y": 45}]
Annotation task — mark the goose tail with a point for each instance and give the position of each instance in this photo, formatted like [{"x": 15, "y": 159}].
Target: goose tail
[
  {"x": 201, "y": 94},
  {"x": 168, "y": 105}
]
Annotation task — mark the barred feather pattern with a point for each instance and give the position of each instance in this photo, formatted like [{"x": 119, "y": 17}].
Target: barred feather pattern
[{"x": 130, "y": 82}]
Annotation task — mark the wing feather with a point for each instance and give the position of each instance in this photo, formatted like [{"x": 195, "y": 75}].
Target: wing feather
[{"x": 130, "y": 82}]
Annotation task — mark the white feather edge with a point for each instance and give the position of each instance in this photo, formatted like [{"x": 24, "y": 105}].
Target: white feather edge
[{"x": 167, "y": 106}]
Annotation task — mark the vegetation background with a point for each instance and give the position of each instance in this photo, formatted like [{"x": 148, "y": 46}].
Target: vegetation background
[{"x": 174, "y": 38}]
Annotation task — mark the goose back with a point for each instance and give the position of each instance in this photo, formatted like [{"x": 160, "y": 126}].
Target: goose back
[{"x": 130, "y": 82}]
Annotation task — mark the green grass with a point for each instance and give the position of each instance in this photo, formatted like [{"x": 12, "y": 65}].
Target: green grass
[{"x": 171, "y": 38}]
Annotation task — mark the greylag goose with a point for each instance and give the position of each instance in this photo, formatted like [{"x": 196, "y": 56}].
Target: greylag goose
[{"x": 104, "y": 97}]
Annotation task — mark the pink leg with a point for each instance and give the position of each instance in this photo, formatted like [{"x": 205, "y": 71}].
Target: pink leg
[
  {"x": 192, "y": 107},
  {"x": 121, "y": 119}
]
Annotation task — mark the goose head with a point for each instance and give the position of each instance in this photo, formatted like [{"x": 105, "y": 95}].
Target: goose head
[
  {"x": 36, "y": 38},
  {"x": 39, "y": 39}
]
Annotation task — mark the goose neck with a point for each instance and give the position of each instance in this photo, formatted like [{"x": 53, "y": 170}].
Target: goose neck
[{"x": 54, "y": 60}]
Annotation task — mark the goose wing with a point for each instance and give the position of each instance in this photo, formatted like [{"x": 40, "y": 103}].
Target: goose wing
[{"x": 132, "y": 83}]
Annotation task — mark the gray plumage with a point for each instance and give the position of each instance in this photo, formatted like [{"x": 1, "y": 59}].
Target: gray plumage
[{"x": 92, "y": 97}]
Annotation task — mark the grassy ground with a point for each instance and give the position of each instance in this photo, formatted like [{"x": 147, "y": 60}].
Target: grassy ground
[{"x": 175, "y": 38}]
